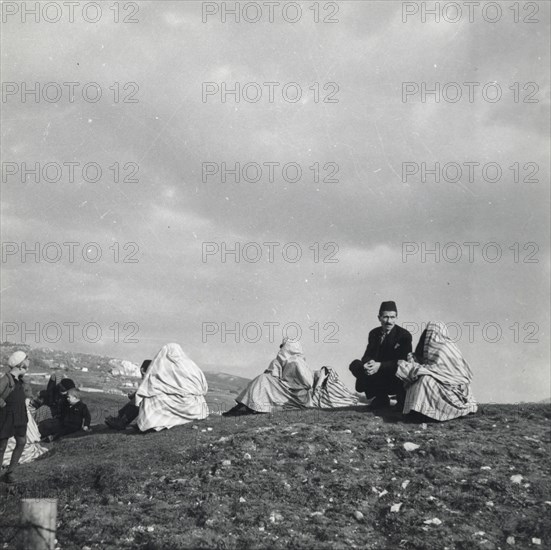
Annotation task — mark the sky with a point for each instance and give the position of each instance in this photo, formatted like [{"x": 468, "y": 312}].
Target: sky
[{"x": 150, "y": 260}]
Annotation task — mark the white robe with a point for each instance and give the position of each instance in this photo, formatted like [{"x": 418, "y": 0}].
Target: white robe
[
  {"x": 172, "y": 391},
  {"x": 288, "y": 383},
  {"x": 32, "y": 449}
]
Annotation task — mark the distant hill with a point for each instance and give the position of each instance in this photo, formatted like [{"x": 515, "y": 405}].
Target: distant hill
[
  {"x": 225, "y": 382},
  {"x": 95, "y": 371}
]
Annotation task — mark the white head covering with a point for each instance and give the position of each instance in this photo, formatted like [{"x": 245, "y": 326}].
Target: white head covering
[
  {"x": 172, "y": 372},
  {"x": 290, "y": 365},
  {"x": 288, "y": 349},
  {"x": 16, "y": 358}
]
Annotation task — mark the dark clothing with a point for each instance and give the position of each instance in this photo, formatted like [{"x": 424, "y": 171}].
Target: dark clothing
[
  {"x": 383, "y": 383},
  {"x": 395, "y": 345},
  {"x": 7, "y": 383},
  {"x": 75, "y": 417},
  {"x": 13, "y": 415},
  {"x": 129, "y": 412},
  {"x": 56, "y": 395}
]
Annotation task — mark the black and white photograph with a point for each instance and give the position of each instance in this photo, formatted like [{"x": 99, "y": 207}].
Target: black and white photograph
[{"x": 275, "y": 274}]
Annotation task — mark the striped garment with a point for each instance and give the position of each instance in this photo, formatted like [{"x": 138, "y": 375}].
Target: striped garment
[
  {"x": 288, "y": 383},
  {"x": 329, "y": 392},
  {"x": 172, "y": 391},
  {"x": 439, "y": 387}
]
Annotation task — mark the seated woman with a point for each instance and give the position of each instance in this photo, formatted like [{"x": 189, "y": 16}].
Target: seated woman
[
  {"x": 288, "y": 383},
  {"x": 172, "y": 391},
  {"x": 437, "y": 378},
  {"x": 130, "y": 411}
]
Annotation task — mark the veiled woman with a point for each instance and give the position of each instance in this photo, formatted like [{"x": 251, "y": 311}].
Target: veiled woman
[
  {"x": 436, "y": 378},
  {"x": 288, "y": 383},
  {"x": 172, "y": 391}
]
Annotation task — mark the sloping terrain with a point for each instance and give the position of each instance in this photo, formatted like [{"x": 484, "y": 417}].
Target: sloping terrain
[{"x": 313, "y": 479}]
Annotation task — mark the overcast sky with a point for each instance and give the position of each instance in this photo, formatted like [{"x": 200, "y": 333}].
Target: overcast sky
[{"x": 368, "y": 211}]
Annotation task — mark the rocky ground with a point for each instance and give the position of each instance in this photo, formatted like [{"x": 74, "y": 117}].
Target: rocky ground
[{"x": 315, "y": 479}]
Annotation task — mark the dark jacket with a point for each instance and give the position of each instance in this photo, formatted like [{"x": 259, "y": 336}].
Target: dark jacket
[
  {"x": 396, "y": 345},
  {"x": 76, "y": 416},
  {"x": 7, "y": 383}
]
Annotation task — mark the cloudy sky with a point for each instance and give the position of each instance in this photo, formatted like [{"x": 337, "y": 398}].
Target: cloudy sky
[{"x": 171, "y": 222}]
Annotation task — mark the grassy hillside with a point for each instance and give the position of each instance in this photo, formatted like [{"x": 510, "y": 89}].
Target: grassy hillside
[{"x": 315, "y": 479}]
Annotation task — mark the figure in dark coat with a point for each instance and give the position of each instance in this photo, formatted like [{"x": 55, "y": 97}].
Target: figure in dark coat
[
  {"x": 129, "y": 412},
  {"x": 375, "y": 372},
  {"x": 13, "y": 412}
]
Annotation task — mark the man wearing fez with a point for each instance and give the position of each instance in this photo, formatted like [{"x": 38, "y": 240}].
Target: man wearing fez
[{"x": 375, "y": 372}]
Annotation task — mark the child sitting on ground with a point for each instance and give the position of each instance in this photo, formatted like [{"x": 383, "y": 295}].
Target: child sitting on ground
[{"x": 76, "y": 416}]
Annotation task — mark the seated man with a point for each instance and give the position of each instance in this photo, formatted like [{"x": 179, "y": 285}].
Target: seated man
[
  {"x": 375, "y": 372},
  {"x": 130, "y": 411}
]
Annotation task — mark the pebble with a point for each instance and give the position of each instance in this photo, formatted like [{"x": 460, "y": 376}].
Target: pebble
[
  {"x": 536, "y": 541},
  {"x": 358, "y": 515},
  {"x": 209, "y": 429},
  {"x": 479, "y": 533},
  {"x": 276, "y": 517},
  {"x": 151, "y": 529},
  {"x": 408, "y": 446},
  {"x": 383, "y": 493},
  {"x": 485, "y": 467},
  {"x": 511, "y": 541},
  {"x": 395, "y": 508},
  {"x": 433, "y": 521},
  {"x": 517, "y": 478},
  {"x": 226, "y": 462},
  {"x": 241, "y": 499},
  {"x": 405, "y": 483},
  {"x": 247, "y": 456}
]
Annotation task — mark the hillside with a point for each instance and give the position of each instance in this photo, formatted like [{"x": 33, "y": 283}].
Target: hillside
[
  {"x": 95, "y": 372},
  {"x": 314, "y": 479}
]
